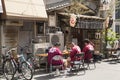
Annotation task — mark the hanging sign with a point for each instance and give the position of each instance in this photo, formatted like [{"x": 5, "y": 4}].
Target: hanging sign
[
  {"x": 97, "y": 35},
  {"x": 73, "y": 20}
]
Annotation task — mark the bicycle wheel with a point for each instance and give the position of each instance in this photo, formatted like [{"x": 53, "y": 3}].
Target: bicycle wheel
[
  {"x": 27, "y": 70},
  {"x": 8, "y": 69}
]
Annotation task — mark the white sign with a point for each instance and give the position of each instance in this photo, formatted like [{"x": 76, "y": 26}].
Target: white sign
[
  {"x": 1, "y": 9},
  {"x": 73, "y": 20},
  {"x": 52, "y": 20}
]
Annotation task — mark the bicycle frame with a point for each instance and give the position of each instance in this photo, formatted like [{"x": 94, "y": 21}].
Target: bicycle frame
[{"x": 15, "y": 63}]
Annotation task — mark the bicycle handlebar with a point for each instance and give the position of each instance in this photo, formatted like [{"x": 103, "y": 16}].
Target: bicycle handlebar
[{"x": 12, "y": 49}]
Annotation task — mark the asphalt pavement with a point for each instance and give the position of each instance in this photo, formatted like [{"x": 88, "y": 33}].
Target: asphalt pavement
[{"x": 105, "y": 70}]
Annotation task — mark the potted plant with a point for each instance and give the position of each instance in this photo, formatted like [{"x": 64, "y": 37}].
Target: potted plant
[{"x": 109, "y": 40}]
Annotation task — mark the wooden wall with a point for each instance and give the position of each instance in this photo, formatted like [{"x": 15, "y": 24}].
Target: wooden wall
[{"x": 11, "y": 36}]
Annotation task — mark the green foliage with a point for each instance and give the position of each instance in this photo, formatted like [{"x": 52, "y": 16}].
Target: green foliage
[{"x": 110, "y": 36}]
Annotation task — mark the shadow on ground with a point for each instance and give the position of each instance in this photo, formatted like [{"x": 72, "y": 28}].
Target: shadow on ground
[
  {"x": 112, "y": 61},
  {"x": 46, "y": 76}
]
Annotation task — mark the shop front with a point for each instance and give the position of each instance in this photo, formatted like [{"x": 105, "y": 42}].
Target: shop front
[{"x": 83, "y": 27}]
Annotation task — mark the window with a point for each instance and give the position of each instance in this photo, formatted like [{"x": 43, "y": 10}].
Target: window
[
  {"x": 117, "y": 10},
  {"x": 117, "y": 13},
  {"x": 40, "y": 28},
  {"x": 117, "y": 29}
]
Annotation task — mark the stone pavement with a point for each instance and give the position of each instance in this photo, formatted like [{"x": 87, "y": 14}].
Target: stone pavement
[{"x": 103, "y": 71}]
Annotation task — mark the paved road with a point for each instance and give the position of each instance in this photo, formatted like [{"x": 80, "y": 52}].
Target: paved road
[{"x": 104, "y": 71}]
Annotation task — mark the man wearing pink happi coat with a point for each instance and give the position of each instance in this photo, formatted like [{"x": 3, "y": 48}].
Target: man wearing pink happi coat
[{"x": 87, "y": 47}]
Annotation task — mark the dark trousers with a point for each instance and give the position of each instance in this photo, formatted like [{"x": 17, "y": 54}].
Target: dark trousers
[{"x": 97, "y": 57}]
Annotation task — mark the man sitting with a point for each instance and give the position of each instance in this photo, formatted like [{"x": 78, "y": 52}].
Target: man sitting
[
  {"x": 87, "y": 48},
  {"x": 74, "y": 49},
  {"x": 53, "y": 51}
]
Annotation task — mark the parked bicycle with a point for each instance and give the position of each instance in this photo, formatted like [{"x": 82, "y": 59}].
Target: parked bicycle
[
  {"x": 31, "y": 58},
  {"x": 12, "y": 65}
]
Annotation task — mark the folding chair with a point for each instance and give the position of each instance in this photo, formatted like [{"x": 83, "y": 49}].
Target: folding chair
[
  {"x": 43, "y": 63},
  {"x": 115, "y": 56},
  {"x": 78, "y": 63},
  {"x": 90, "y": 62},
  {"x": 59, "y": 66}
]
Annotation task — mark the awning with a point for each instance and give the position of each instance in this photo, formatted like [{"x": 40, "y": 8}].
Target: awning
[
  {"x": 1, "y": 9},
  {"x": 87, "y": 22},
  {"x": 82, "y": 24},
  {"x": 25, "y": 9},
  {"x": 83, "y": 16}
]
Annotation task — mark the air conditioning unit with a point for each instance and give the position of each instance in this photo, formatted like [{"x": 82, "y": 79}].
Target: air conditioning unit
[
  {"x": 56, "y": 37},
  {"x": 14, "y": 23},
  {"x": 39, "y": 48}
]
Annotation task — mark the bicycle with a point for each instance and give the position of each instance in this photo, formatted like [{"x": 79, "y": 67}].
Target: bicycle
[
  {"x": 12, "y": 65},
  {"x": 31, "y": 59}
]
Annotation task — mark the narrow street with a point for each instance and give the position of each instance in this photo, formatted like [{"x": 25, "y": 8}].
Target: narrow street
[
  {"x": 104, "y": 71},
  {"x": 33, "y": 27}
]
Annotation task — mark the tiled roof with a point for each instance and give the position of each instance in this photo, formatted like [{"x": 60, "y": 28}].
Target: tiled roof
[{"x": 58, "y": 5}]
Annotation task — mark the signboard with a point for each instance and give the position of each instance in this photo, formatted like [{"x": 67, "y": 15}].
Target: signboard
[
  {"x": 52, "y": 20},
  {"x": 73, "y": 20},
  {"x": 1, "y": 10}
]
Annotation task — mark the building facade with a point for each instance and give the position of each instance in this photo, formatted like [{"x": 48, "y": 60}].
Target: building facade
[
  {"x": 21, "y": 22},
  {"x": 60, "y": 10},
  {"x": 117, "y": 17}
]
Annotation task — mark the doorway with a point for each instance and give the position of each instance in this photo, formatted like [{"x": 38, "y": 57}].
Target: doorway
[{"x": 77, "y": 35}]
